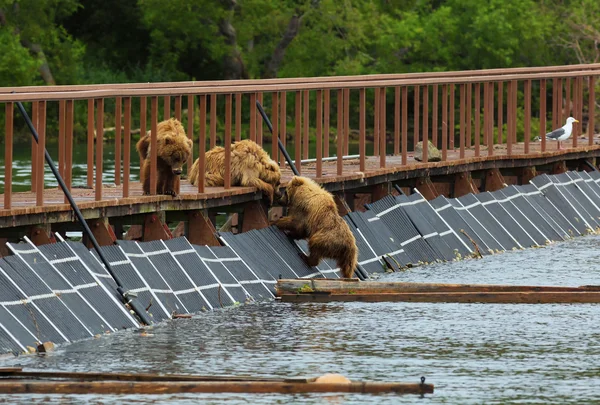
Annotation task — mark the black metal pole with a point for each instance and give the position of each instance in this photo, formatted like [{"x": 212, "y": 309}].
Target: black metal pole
[
  {"x": 139, "y": 310},
  {"x": 281, "y": 147}
]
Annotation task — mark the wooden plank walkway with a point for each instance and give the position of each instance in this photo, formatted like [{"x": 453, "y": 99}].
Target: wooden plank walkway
[{"x": 113, "y": 204}]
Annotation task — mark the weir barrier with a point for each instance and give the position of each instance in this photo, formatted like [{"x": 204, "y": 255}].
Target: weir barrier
[{"x": 60, "y": 292}]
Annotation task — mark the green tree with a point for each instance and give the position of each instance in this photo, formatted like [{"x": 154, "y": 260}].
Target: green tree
[{"x": 31, "y": 36}]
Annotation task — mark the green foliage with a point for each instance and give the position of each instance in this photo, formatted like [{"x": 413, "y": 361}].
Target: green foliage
[{"x": 17, "y": 66}]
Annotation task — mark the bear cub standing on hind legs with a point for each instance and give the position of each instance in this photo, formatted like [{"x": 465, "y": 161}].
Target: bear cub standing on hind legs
[
  {"x": 251, "y": 166},
  {"x": 174, "y": 148},
  {"x": 313, "y": 215}
]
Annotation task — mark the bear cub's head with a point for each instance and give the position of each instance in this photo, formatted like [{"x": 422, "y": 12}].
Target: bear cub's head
[
  {"x": 174, "y": 150},
  {"x": 292, "y": 188}
]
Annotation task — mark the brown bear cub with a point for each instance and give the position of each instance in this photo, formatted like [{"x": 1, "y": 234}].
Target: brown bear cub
[
  {"x": 174, "y": 148},
  {"x": 313, "y": 215},
  {"x": 251, "y": 166}
]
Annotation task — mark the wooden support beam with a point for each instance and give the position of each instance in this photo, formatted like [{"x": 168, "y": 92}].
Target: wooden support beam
[
  {"x": 200, "y": 229},
  {"x": 342, "y": 205},
  {"x": 380, "y": 191},
  {"x": 179, "y": 230},
  {"x": 494, "y": 180},
  {"x": 155, "y": 228},
  {"x": 102, "y": 231},
  {"x": 463, "y": 185},
  {"x": 3, "y": 248},
  {"x": 135, "y": 232},
  {"x": 255, "y": 216},
  {"x": 559, "y": 167},
  {"x": 171, "y": 387},
  {"x": 41, "y": 235},
  {"x": 527, "y": 173},
  {"x": 427, "y": 188},
  {"x": 318, "y": 290},
  {"x": 529, "y": 297}
]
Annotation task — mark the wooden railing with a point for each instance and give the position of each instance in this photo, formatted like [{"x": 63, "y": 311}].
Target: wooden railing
[{"x": 561, "y": 91}]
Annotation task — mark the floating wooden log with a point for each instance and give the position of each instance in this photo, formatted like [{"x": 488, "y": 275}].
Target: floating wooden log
[
  {"x": 16, "y": 381},
  {"x": 325, "y": 290}
]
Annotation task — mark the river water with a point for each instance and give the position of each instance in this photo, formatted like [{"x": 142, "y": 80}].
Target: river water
[{"x": 473, "y": 353}]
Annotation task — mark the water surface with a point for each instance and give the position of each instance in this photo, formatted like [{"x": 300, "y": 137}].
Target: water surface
[{"x": 473, "y": 353}]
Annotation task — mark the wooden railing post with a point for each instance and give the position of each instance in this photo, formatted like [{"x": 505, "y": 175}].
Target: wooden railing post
[
  {"x": 202, "y": 142},
  {"x": 99, "y": 146},
  {"x": 127, "y": 146},
  {"x": 8, "y": 154}
]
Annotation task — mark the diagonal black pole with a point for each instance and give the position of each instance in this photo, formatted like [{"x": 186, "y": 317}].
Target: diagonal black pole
[
  {"x": 135, "y": 305},
  {"x": 281, "y": 147}
]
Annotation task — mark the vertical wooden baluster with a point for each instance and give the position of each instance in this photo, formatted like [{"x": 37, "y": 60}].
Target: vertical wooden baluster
[
  {"x": 298, "y": 127},
  {"x": 153, "y": 145},
  {"x": 340, "y": 132},
  {"x": 404, "y": 125},
  {"x": 69, "y": 117},
  {"x": 477, "y": 119},
  {"x": 213, "y": 120},
  {"x": 486, "y": 114},
  {"x": 382, "y": 127},
  {"x": 591, "y": 109},
  {"x": 253, "y": 117},
  {"x": 461, "y": 120},
  {"x": 515, "y": 107},
  {"x": 41, "y": 154},
  {"x": 305, "y": 140},
  {"x": 319, "y": 124},
  {"x": 362, "y": 129},
  {"x": 491, "y": 119},
  {"x": 126, "y": 145},
  {"x": 509, "y": 108},
  {"x": 425, "y": 135},
  {"x": 90, "y": 143},
  {"x": 8, "y": 154},
  {"x": 397, "y": 120},
  {"x": 227, "y": 141},
  {"x": 177, "y": 103},
  {"x": 376, "y": 115},
  {"x": 100, "y": 146},
  {"x": 543, "y": 113},
  {"x": 434, "y": 117},
  {"x": 190, "y": 131},
  {"x": 167, "y": 107},
  {"x": 527, "y": 118},
  {"x": 326, "y": 124},
  {"x": 468, "y": 120},
  {"x": 118, "y": 108},
  {"x": 451, "y": 117},
  {"x": 275, "y": 124},
  {"x": 346, "y": 121},
  {"x": 445, "y": 122},
  {"x": 202, "y": 140},
  {"x": 500, "y": 112},
  {"x": 61, "y": 138},
  {"x": 579, "y": 107},
  {"x": 567, "y": 105},
  {"x": 259, "y": 121},
  {"x": 283, "y": 125},
  {"x": 35, "y": 118},
  {"x": 556, "y": 101},
  {"x": 238, "y": 116},
  {"x": 417, "y": 105}
]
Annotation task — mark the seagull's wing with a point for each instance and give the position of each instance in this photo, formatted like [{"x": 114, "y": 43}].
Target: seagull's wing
[{"x": 556, "y": 133}]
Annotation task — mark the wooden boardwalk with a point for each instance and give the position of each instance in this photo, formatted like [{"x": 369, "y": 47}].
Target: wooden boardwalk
[{"x": 55, "y": 209}]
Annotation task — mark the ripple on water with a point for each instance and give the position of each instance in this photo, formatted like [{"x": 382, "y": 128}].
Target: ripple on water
[{"x": 473, "y": 353}]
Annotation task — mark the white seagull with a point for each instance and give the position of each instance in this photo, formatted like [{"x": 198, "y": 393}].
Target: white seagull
[{"x": 563, "y": 133}]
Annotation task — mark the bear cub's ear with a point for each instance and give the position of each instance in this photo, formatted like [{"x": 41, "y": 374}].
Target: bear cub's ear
[
  {"x": 297, "y": 181},
  {"x": 190, "y": 143}
]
